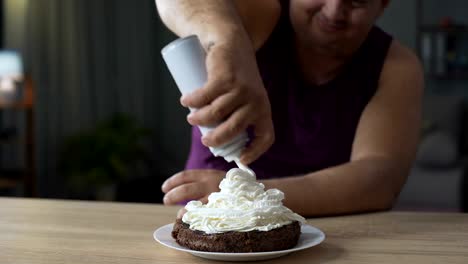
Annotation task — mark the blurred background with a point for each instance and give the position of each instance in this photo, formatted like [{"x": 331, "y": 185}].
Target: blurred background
[{"x": 88, "y": 109}]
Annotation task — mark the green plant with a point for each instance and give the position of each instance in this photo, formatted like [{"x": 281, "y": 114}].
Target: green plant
[{"x": 106, "y": 154}]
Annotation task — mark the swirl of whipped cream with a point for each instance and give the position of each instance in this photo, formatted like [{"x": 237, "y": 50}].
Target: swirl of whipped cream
[{"x": 242, "y": 205}]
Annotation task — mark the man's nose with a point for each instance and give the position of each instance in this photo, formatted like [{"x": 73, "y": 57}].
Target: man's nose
[{"x": 334, "y": 10}]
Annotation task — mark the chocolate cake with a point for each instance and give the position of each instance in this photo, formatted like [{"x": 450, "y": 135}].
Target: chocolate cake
[
  {"x": 241, "y": 217},
  {"x": 281, "y": 238}
]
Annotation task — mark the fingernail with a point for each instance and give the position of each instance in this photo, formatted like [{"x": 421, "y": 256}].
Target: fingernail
[
  {"x": 189, "y": 117},
  {"x": 163, "y": 186},
  {"x": 204, "y": 140},
  {"x": 182, "y": 100}
]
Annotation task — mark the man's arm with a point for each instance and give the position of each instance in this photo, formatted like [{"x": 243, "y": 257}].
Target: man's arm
[
  {"x": 383, "y": 149},
  {"x": 220, "y": 20},
  {"x": 234, "y": 96}
]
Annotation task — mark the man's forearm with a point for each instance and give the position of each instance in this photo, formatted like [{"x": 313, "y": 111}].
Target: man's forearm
[
  {"x": 213, "y": 21},
  {"x": 357, "y": 186}
]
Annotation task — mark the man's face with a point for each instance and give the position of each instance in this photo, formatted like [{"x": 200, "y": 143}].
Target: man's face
[{"x": 337, "y": 26}]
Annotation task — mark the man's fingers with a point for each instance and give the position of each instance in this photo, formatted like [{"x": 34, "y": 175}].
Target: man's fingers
[
  {"x": 204, "y": 199},
  {"x": 264, "y": 138},
  {"x": 185, "y": 192},
  {"x": 226, "y": 131},
  {"x": 181, "y": 213},
  {"x": 178, "y": 179},
  {"x": 215, "y": 112},
  {"x": 204, "y": 95}
]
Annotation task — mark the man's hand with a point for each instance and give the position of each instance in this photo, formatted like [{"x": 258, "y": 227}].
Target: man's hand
[
  {"x": 191, "y": 185},
  {"x": 181, "y": 213},
  {"x": 234, "y": 97}
]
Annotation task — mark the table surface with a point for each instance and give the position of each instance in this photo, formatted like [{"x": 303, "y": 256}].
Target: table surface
[{"x": 38, "y": 231}]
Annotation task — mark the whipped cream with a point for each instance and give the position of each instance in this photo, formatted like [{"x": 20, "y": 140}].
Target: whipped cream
[{"x": 242, "y": 205}]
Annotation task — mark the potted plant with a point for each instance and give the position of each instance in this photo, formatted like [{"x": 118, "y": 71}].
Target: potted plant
[{"x": 111, "y": 152}]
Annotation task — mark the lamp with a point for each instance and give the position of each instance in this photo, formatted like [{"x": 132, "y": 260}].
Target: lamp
[{"x": 11, "y": 77}]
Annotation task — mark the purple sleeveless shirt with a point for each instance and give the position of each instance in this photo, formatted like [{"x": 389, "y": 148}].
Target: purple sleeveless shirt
[{"x": 314, "y": 125}]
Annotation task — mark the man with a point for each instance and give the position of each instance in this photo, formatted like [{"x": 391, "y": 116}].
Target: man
[{"x": 333, "y": 102}]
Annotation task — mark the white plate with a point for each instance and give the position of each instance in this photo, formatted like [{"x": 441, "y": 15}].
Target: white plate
[{"x": 310, "y": 236}]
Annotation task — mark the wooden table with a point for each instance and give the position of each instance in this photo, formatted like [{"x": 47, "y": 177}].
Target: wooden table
[{"x": 34, "y": 231}]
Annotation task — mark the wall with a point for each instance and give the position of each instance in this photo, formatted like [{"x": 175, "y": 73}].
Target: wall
[
  {"x": 434, "y": 10},
  {"x": 399, "y": 20}
]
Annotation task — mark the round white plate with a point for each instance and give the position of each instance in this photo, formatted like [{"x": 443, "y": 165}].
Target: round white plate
[{"x": 310, "y": 236}]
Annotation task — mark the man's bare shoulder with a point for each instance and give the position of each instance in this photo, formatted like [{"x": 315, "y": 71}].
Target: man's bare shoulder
[
  {"x": 402, "y": 70},
  {"x": 401, "y": 59}
]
